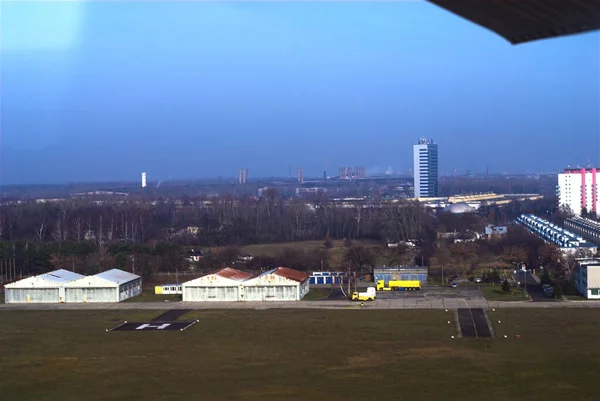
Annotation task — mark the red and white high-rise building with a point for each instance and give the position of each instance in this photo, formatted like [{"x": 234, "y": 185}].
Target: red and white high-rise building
[{"x": 578, "y": 190}]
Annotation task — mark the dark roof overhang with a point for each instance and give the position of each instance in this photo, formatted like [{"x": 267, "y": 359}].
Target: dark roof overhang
[{"x": 521, "y": 21}]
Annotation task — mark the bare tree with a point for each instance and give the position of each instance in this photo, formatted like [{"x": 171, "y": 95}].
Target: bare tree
[
  {"x": 78, "y": 229},
  {"x": 566, "y": 266},
  {"x": 61, "y": 233},
  {"x": 3, "y": 220},
  {"x": 40, "y": 231}
]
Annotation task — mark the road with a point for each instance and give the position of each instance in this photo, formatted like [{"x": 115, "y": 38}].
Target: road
[
  {"x": 395, "y": 303},
  {"x": 533, "y": 287}
]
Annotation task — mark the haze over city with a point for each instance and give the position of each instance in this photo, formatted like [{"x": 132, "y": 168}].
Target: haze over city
[{"x": 97, "y": 91}]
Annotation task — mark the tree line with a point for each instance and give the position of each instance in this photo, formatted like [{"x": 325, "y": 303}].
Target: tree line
[{"x": 152, "y": 236}]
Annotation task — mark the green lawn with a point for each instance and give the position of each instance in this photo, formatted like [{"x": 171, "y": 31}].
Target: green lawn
[
  {"x": 577, "y": 298},
  {"x": 317, "y": 294},
  {"x": 336, "y": 252},
  {"x": 495, "y": 293},
  {"x": 299, "y": 355}
]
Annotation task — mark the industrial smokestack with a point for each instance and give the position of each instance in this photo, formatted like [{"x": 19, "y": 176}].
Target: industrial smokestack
[{"x": 143, "y": 180}]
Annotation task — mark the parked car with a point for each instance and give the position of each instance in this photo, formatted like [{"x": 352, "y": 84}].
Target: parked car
[
  {"x": 478, "y": 279},
  {"x": 454, "y": 284},
  {"x": 548, "y": 290}
]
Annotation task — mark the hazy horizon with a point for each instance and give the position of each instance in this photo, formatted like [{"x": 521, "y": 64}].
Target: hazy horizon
[{"x": 101, "y": 91}]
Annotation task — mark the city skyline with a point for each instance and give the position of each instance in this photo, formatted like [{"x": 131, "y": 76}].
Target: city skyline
[{"x": 221, "y": 85}]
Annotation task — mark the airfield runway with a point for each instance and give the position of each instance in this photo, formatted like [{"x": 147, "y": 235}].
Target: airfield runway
[{"x": 396, "y": 303}]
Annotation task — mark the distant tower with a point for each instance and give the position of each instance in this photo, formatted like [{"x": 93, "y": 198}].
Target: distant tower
[
  {"x": 144, "y": 180},
  {"x": 242, "y": 176},
  {"x": 300, "y": 175},
  {"x": 425, "y": 157}
]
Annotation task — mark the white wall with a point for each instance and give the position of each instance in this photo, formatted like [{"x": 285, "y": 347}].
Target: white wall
[
  {"x": 33, "y": 295},
  {"x": 211, "y": 294},
  {"x": 130, "y": 290},
  {"x": 91, "y": 295},
  {"x": 271, "y": 293},
  {"x": 587, "y": 281},
  {"x": 570, "y": 191}
]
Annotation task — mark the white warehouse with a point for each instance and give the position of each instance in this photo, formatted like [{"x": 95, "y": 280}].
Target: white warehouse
[
  {"x": 231, "y": 285},
  {"x": 44, "y": 288},
  {"x": 224, "y": 285},
  {"x": 280, "y": 284},
  {"x": 109, "y": 286}
]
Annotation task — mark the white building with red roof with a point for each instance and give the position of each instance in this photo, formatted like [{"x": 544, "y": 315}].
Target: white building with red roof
[
  {"x": 232, "y": 285},
  {"x": 223, "y": 285},
  {"x": 280, "y": 284}
]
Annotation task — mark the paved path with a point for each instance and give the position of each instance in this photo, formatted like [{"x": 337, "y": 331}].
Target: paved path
[{"x": 398, "y": 303}]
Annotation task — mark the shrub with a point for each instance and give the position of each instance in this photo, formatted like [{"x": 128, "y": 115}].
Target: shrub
[
  {"x": 505, "y": 286},
  {"x": 545, "y": 277},
  {"x": 558, "y": 291}
]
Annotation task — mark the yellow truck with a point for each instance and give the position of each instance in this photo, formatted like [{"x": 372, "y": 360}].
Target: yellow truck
[
  {"x": 399, "y": 285},
  {"x": 369, "y": 295}
]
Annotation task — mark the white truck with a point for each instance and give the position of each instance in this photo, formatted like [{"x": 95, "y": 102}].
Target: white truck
[{"x": 369, "y": 295}]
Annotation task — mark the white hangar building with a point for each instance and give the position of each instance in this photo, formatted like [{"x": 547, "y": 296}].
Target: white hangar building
[
  {"x": 280, "y": 284},
  {"x": 109, "y": 286},
  {"x": 44, "y": 288},
  {"x": 231, "y": 285},
  {"x": 224, "y": 285}
]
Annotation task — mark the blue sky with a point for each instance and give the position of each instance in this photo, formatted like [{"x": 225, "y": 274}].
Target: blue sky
[{"x": 97, "y": 91}]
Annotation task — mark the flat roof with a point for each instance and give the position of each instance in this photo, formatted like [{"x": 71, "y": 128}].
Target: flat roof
[{"x": 521, "y": 21}]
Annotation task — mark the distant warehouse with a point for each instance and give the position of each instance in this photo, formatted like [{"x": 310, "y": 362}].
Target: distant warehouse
[
  {"x": 44, "y": 288},
  {"x": 64, "y": 286},
  {"x": 109, "y": 286},
  {"x": 232, "y": 285},
  {"x": 327, "y": 278},
  {"x": 224, "y": 285},
  {"x": 280, "y": 284},
  {"x": 412, "y": 273}
]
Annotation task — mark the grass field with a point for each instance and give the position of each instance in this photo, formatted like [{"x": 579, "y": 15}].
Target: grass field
[
  {"x": 495, "y": 293},
  {"x": 336, "y": 252},
  {"x": 317, "y": 294},
  {"x": 299, "y": 355}
]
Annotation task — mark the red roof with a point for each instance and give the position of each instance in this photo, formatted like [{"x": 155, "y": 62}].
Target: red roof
[
  {"x": 291, "y": 274},
  {"x": 233, "y": 274}
]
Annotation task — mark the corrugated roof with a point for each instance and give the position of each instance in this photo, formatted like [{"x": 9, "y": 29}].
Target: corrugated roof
[
  {"x": 233, "y": 274},
  {"x": 60, "y": 276},
  {"x": 520, "y": 21},
  {"x": 288, "y": 273},
  {"x": 117, "y": 276}
]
